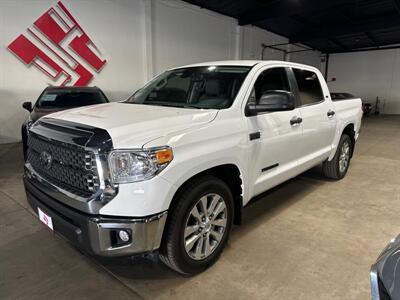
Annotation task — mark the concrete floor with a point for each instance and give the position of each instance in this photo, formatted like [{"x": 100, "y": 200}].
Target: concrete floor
[{"x": 307, "y": 239}]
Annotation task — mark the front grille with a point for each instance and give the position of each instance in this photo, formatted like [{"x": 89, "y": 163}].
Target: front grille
[{"x": 67, "y": 166}]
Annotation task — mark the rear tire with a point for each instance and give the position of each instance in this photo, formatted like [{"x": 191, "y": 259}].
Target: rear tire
[
  {"x": 203, "y": 213},
  {"x": 338, "y": 166}
]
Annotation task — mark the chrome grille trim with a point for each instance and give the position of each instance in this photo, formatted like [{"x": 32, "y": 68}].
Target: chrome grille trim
[
  {"x": 73, "y": 168},
  {"x": 96, "y": 144}
]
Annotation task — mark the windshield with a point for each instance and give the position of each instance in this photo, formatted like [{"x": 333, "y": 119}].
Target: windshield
[
  {"x": 70, "y": 98},
  {"x": 212, "y": 87}
]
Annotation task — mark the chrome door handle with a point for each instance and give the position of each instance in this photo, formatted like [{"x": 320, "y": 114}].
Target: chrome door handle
[
  {"x": 295, "y": 121},
  {"x": 330, "y": 113}
]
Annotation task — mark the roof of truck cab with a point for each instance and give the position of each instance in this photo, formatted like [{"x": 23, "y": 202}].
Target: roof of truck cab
[
  {"x": 244, "y": 63},
  {"x": 247, "y": 63}
]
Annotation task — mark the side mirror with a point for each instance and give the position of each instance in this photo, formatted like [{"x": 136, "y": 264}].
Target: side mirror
[
  {"x": 27, "y": 106},
  {"x": 275, "y": 100}
]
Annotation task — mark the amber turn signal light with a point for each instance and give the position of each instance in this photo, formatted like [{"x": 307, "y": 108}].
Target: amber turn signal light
[{"x": 164, "y": 156}]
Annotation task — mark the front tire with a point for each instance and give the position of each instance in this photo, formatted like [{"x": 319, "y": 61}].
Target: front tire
[
  {"x": 338, "y": 166},
  {"x": 198, "y": 226}
]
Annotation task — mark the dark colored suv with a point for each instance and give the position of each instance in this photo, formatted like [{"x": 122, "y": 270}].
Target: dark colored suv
[{"x": 54, "y": 99}]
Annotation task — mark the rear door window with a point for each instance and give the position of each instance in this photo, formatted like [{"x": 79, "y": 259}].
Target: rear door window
[{"x": 310, "y": 90}]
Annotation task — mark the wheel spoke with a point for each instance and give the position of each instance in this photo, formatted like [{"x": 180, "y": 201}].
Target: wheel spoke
[
  {"x": 213, "y": 204},
  {"x": 217, "y": 235},
  {"x": 189, "y": 230},
  {"x": 342, "y": 165},
  {"x": 207, "y": 246},
  {"x": 195, "y": 213},
  {"x": 220, "y": 207},
  {"x": 189, "y": 243},
  {"x": 199, "y": 248},
  {"x": 203, "y": 205},
  {"x": 219, "y": 222}
]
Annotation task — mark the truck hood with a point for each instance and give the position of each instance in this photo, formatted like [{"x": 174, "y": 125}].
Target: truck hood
[{"x": 133, "y": 125}]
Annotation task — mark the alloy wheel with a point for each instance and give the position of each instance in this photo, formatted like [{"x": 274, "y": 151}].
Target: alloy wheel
[
  {"x": 344, "y": 156},
  {"x": 205, "y": 226}
]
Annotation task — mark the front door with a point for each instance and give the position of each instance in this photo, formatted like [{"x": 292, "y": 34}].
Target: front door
[{"x": 274, "y": 139}]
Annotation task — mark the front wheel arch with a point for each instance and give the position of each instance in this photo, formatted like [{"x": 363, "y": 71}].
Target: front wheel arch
[
  {"x": 228, "y": 173},
  {"x": 172, "y": 252}
]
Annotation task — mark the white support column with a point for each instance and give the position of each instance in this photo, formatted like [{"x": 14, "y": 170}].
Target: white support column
[
  {"x": 148, "y": 7},
  {"x": 238, "y": 42},
  {"x": 287, "y": 54}
]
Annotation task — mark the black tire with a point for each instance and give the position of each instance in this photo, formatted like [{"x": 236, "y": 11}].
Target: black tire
[
  {"x": 331, "y": 168},
  {"x": 172, "y": 250}
]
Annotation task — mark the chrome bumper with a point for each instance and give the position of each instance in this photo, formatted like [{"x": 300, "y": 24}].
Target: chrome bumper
[
  {"x": 98, "y": 234},
  {"x": 374, "y": 283},
  {"x": 145, "y": 235}
]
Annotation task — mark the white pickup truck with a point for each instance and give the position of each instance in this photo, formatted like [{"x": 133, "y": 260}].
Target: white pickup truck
[{"x": 171, "y": 168}]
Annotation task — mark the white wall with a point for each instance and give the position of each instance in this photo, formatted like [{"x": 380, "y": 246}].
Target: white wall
[
  {"x": 139, "y": 39},
  {"x": 312, "y": 58},
  {"x": 253, "y": 37},
  {"x": 183, "y": 34},
  {"x": 118, "y": 35},
  {"x": 368, "y": 75}
]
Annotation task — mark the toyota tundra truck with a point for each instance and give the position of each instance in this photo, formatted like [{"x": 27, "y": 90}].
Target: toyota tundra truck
[{"x": 170, "y": 169}]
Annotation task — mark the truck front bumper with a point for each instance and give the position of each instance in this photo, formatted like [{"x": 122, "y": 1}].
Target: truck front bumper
[{"x": 97, "y": 234}]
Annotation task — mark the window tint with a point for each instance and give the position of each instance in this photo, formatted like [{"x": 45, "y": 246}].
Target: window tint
[
  {"x": 341, "y": 96},
  {"x": 310, "y": 90},
  {"x": 173, "y": 87},
  {"x": 63, "y": 98},
  {"x": 212, "y": 87},
  {"x": 271, "y": 80}
]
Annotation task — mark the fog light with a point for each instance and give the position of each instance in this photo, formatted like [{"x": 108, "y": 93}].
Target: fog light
[{"x": 123, "y": 235}]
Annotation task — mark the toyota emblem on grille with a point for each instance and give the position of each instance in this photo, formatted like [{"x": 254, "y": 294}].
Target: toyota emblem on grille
[{"x": 46, "y": 159}]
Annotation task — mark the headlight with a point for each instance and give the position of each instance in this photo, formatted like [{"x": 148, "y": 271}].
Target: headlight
[{"x": 138, "y": 165}]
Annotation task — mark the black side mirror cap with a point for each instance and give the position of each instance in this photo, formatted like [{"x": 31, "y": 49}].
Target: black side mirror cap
[
  {"x": 27, "y": 105},
  {"x": 275, "y": 100}
]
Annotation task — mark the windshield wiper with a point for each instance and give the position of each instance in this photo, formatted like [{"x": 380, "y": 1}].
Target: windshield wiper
[
  {"x": 193, "y": 106},
  {"x": 171, "y": 105}
]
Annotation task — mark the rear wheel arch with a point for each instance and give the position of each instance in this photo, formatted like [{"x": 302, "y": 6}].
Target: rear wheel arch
[
  {"x": 337, "y": 167},
  {"x": 350, "y": 131}
]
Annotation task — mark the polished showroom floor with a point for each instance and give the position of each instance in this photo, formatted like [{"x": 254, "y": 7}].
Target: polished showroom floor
[{"x": 309, "y": 238}]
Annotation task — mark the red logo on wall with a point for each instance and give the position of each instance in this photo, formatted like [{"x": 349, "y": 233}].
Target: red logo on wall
[{"x": 58, "y": 46}]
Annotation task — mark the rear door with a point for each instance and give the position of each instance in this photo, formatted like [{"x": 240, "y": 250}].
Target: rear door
[
  {"x": 319, "y": 120},
  {"x": 274, "y": 139}
]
